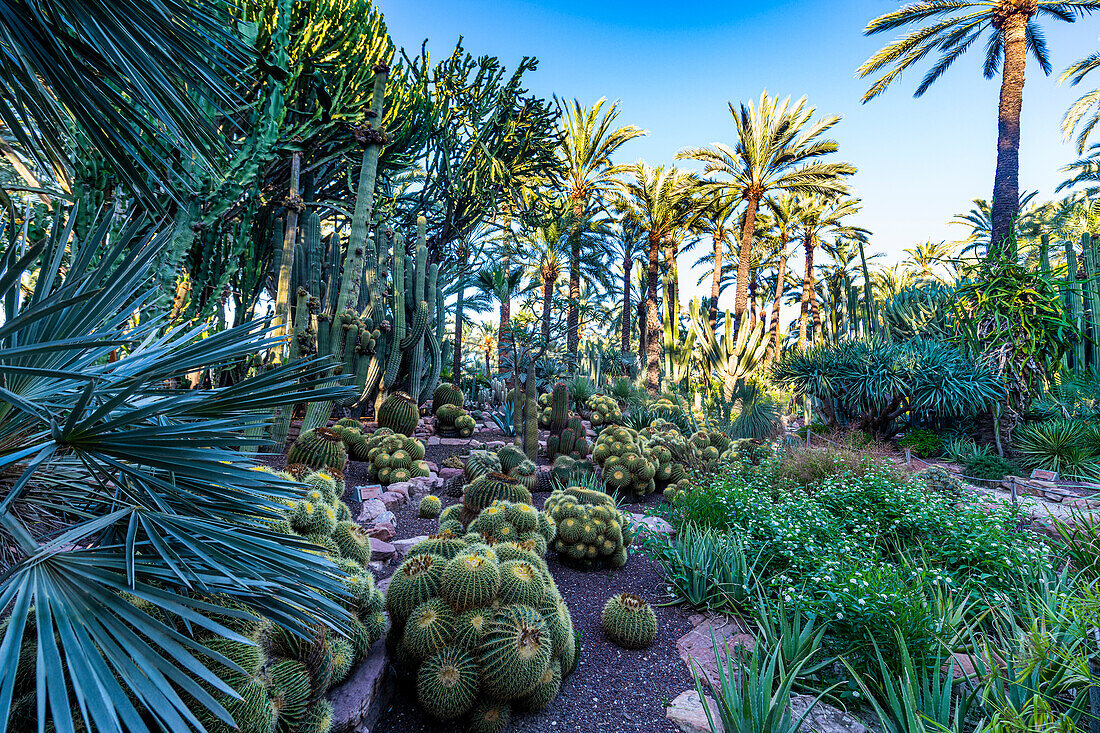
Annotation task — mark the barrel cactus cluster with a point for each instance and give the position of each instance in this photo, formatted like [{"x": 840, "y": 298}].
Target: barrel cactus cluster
[
  {"x": 393, "y": 457},
  {"x": 708, "y": 446},
  {"x": 622, "y": 455},
  {"x": 506, "y": 521},
  {"x": 454, "y": 420},
  {"x": 480, "y": 463},
  {"x": 318, "y": 449},
  {"x": 285, "y": 677},
  {"x": 604, "y": 410},
  {"x": 483, "y": 630},
  {"x": 629, "y": 621},
  {"x": 590, "y": 531}
]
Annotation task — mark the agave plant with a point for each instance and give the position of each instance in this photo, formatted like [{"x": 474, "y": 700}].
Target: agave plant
[
  {"x": 120, "y": 492},
  {"x": 1057, "y": 445},
  {"x": 732, "y": 358}
]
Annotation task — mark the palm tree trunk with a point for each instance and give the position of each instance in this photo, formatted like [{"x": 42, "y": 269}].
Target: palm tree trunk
[
  {"x": 573, "y": 318},
  {"x": 807, "y": 288},
  {"x": 628, "y": 265},
  {"x": 643, "y": 333},
  {"x": 502, "y": 340},
  {"x": 547, "y": 293},
  {"x": 716, "y": 276},
  {"x": 780, "y": 281},
  {"x": 1006, "y": 181},
  {"x": 747, "y": 232},
  {"x": 653, "y": 324}
]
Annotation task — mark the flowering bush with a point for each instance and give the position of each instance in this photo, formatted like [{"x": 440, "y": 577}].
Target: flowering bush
[{"x": 866, "y": 548}]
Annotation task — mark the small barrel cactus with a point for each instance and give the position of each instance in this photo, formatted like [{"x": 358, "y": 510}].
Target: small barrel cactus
[
  {"x": 629, "y": 621},
  {"x": 480, "y": 463},
  {"x": 604, "y": 410},
  {"x": 430, "y": 507},
  {"x": 479, "y": 494},
  {"x": 589, "y": 530}
]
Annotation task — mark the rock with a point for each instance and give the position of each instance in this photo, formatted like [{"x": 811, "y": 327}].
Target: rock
[
  {"x": 382, "y": 531},
  {"x": 476, "y": 445},
  {"x": 454, "y": 441},
  {"x": 434, "y": 440},
  {"x": 1051, "y": 496},
  {"x": 823, "y": 718},
  {"x": 495, "y": 444},
  {"x": 358, "y": 703},
  {"x": 401, "y": 487},
  {"x": 393, "y": 500},
  {"x": 689, "y": 716},
  {"x": 449, "y": 473},
  {"x": 372, "y": 510},
  {"x": 433, "y": 466},
  {"x": 696, "y": 647},
  {"x": 652, "y": 524},
  {"x": 380, "y": 550},
  {"x": 401, "y": 547}
]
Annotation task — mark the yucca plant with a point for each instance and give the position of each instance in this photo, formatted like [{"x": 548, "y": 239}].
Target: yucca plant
[
  {"x": 709, "y": 569},
  {"x": 1057, "y": 445},
  {"x": 121, "y": 493},
  {"x": 753, "y": 692}
]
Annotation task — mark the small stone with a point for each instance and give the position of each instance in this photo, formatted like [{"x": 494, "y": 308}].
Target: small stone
[
  {"x": 449, "y": 473},
  {"x": 454, "y": 441},
  {"x": 380, "y": 550},
  {"x": 1051, "y": 496},
  {"x": 372, "y": 510},
  {"x": 401, "y": 547},
  {"x": 689, "y": 716},
  {"x": 434, "y": 440},
  {"x": 432, "y": 466}
]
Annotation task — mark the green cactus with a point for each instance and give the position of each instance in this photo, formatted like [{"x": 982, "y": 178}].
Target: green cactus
[
  {"x": 470, "y": 581},
  {"x": 559, "y": 408},
  {"x": 430, "y": 507},
  {"x": 481, "y": 463},
  {"x": 629, "y": 621},
  {"x": 510, "y": 456},
  {"x": 589, "y": 530},
  {"x": 447, "y": 394},
  {"x": 482, "y": 492},
  {"x": 414, "y": 582},
  {"x": 399, "y": 413},
  {"x": 447, "y": 684},
  {"x": 318, "y": 448}
]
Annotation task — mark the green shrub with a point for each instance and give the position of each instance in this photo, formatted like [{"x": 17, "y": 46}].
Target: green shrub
[
  {"x": 1060, "y": 445},
  {"x": 922, "y": 442},
  {"x": 988, "y": 467}
]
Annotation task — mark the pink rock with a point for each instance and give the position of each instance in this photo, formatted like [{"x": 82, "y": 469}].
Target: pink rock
[
  {"x": 401, "y": 487},
  {"x": 449, "y": 473},
  {"x": 380, "y": 550},
  {"x": 696, "y": 647},
  {"x": 393, "y": 500},
  {"x": 382, "y": 531},
  {"x": 432, "y": 466},
  {"x": 372, "y": 509},
  {"x": 402, "y": 546},
  {"x": 434, "y": 440}
]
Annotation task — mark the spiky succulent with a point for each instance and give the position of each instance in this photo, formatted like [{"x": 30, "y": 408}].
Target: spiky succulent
[
  {"x": 399, "y": 412},
  {"x": 430, "y": 507},
  {"x": 629, "y": 621},
  {"x": 320, "y": 448},
  {"x": 604, "y": 410},
  {"x": 589, "y": 530}
]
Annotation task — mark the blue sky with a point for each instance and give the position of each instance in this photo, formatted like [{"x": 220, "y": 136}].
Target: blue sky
[{"x": 675, "y": 66}]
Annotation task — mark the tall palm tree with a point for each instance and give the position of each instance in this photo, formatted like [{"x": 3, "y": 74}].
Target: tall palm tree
[
  {"x": 980, "y": 221},
  {"x": 785, "y": 215},
  {"x": 589, "y": 139},
  {"x": 820, "y": 216},
  {"x": 1086, "y": 108},
  {"x": 778, "y": 146},
  {"x": 658, "y": 202},
  {"x": 546, "y": 250},
  {"x": 501, "y": 284},
  {"x": 626, "y": 246},
  {"x": 485, "y": 340},
  {"x": 716, "y": 220},
  {"x": 947, "y": 28}
]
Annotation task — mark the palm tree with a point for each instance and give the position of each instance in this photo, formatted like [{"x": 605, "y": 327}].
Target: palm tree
[
  {"x": 953, "y": 26},
  {"x": 715, "y": 221},
  {"x": 658, "y": 202},
  {"x": 501, "y": 284},
  {"x": 1086, "y": 105},
  {"x": 777, "y": 150},
  {"x": 589, "y": 139},
  {"x": 485, "y": 340},
  {"x": 819, "y": 216},
  {"x": 545, "y": 249},
  {"x": 924, "y": 256},
  {"x": 626, "y": 246},
  {"x": 980, "y": 221},
  {"x": 785, "y": 213}
]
